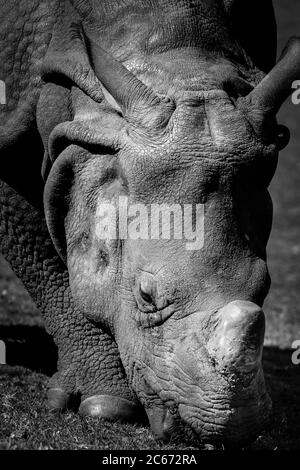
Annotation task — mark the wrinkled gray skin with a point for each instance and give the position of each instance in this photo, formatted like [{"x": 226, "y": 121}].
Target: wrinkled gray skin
[{"x": 145, "y": 324}]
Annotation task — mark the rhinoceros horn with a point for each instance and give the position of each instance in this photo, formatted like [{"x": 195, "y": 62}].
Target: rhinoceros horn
[{"x": 275, "y": 88}]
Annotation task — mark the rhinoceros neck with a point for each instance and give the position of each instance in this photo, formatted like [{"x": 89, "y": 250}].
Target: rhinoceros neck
[{"x": 145, "y": 27}]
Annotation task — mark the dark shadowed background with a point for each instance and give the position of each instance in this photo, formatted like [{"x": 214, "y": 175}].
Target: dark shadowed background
[
  {"x": 283, "y": 304},
  {"x": 31, "y": 356}
]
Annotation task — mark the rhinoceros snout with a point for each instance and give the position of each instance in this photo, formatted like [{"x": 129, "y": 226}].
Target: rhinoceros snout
[{"x": 218, "y": 384}]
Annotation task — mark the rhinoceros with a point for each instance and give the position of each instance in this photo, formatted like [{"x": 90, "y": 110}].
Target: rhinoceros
[{"x": 157, "y": 102}]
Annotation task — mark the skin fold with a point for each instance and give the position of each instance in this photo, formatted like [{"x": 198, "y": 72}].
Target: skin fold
[{"x": 159, "y": 102}]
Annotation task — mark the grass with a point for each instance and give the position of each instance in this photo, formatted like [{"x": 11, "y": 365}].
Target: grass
[{"x": 25, "y": 422}]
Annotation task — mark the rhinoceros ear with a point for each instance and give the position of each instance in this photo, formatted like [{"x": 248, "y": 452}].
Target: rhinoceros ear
[
  {"x": 56, "y": 201},
  {"x": 25, "y": 32}
]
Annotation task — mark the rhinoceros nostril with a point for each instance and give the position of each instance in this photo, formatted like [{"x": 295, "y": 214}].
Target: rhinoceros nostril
[
  {"x": 153, "y": 307},
  {"x": 147, "y": 290},
  {"x": 146, "y": 297}
]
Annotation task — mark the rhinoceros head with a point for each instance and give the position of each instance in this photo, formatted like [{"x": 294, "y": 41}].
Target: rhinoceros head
[{"x": 158, "y": 202}]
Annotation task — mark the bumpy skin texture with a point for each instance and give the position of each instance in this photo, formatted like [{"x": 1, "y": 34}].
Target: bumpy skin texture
[
  {"x": 160, "y": 311},
  {"x": 88, "y": 362},
  {"x": 25, "y": 32}
]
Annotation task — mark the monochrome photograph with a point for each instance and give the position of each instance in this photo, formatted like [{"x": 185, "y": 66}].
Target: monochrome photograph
[{"x": 149, "y": 228}]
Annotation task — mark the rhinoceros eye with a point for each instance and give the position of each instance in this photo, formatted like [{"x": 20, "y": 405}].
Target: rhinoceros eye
[
  {"x": 146, "y": 294},
  {"x": 146, "y": 297},
  {"x": 283, "y": 137},
  {"x": 102, "y": 259},
  {"x": 84, "y": 241}
]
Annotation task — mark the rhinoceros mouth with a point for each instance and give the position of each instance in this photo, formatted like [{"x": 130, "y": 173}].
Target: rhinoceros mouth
[
  {"x": 219, "y": 413},
  {"x": 226, "y": 425}
]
